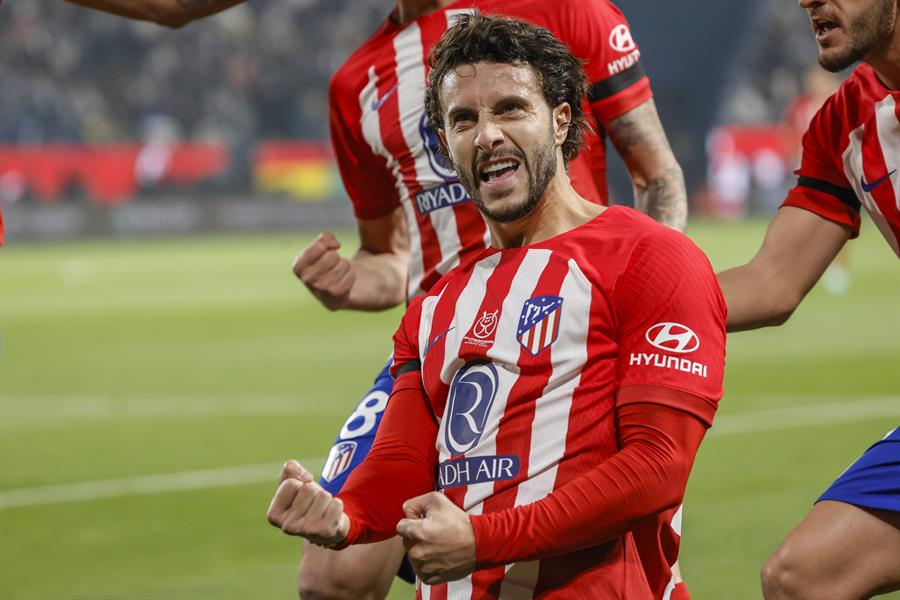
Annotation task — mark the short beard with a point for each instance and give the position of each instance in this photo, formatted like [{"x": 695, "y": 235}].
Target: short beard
[
  {"x": 539, "y": 177},
  {"x": 866, "y": 32}
]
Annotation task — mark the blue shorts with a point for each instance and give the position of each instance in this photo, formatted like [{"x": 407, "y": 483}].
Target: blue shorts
[
  {"x": 356, "y": 436},
  {"x": 355, "y": 440},
  {"x": 873, "y": 481}
]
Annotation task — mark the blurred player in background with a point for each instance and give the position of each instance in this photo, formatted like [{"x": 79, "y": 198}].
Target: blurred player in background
[
  {"x": 849, "y": 544},
  {"x": 416, "y": 220},
  {"x": 548, "y": 380}
]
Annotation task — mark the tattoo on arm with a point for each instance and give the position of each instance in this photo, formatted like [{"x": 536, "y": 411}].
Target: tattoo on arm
[
  {"x": 658, "y": 181},
  {"x": 664, "y": 198}
]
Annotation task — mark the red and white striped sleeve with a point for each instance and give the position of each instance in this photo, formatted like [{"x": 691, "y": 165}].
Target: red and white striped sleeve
[{"x": 365, "y": 175}]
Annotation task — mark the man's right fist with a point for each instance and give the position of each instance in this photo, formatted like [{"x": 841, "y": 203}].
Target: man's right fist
[
  {"x": 328, "y": 276},
  {"x": 301, "y": 507}
]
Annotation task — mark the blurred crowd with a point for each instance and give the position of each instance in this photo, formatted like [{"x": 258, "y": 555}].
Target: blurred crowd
[
  {"x": 259, "y": 71},
  {"x": 255, "y": 71},
  {"x": 772, "y": 68}
]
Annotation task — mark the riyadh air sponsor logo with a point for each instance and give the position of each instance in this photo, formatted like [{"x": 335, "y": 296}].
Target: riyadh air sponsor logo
[
  {"x": 339, "y": 460},
  {"x": 432, "y": 144},
  {"x": 870, "y": 187},
  {"x": 469, "y": 402},
  {"x": 673, "y": 337},
  {"x": 620, "y": 39},
  {"x": 478, "y": 469},
  {"x": 440, "y": 197},
  {"x": 670, "y": 337},
  {"x": 482, "y": 332}
]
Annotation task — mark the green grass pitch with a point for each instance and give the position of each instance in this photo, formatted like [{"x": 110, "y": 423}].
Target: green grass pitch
[{"x": 127, "y": 359}]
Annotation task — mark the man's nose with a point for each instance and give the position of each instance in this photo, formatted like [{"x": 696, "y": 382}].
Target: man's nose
[{"x": 489, "y": 135}]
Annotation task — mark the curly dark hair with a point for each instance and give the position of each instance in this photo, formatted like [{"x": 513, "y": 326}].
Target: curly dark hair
[{"x": 490, "y": 38}]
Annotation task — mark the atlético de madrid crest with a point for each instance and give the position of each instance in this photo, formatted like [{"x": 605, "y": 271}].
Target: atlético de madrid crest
[
  {"x": 339, "y": 460},
  {"x": 539, "y": 323}
]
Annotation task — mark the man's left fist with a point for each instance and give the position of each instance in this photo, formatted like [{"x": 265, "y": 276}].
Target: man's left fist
[{"x": 438, "y": 538}]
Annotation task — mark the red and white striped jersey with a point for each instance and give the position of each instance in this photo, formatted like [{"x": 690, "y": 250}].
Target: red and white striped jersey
[
  {"x": 387, "y": 150},
  {"x": 851, "y": 157},
  {"x": 524, "y": 353}
]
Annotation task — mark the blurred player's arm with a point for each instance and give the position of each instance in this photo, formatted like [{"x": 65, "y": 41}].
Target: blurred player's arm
[
  {"x": 170, "y": 13},
  {"x": 399, "y": 466},
  {"x": 656, "y": 176},
  {"x": 798, "y": 247},
  {"x": 373, "y": 279}
]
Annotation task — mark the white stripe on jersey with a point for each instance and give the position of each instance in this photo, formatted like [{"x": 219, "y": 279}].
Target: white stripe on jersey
[
  {"x": 371, "y": 130},
  {"x": 889, "y": 139},
  {"x": 410, "y": 72},
  {"x": 410, "y": 56},
  {"x": 550, "y": 426},
  {"x": 464, "y": 317},
  {"x": 526, "y": 278},
  {"x": 853, "y": 169},
  {"x": 429, "y": 305},
  {"x": 461, "y": 589},
  {"x": 416, "y": 260}
]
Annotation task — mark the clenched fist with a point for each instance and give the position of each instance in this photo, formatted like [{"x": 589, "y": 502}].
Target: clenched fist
[
  {"x": 301, "y": 507},
  {"x": 438, "y": 538},
  {"x": 327, "y": 275}
]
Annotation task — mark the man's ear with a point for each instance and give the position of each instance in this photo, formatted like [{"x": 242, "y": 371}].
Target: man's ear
[{"x": 562, "y": 118}]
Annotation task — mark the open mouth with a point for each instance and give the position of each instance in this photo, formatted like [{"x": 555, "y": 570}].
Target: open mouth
[
  {"x": 497, "y": 171},
  {"x": 823, "y": 27}
]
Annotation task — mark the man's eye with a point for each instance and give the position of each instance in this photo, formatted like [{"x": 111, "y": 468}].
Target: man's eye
[{"x": 508, "y": 108}]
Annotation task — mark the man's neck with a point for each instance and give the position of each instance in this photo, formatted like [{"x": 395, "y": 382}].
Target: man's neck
[
  {"x": 560, "y": 209},
  {"x": 410, "y": 10},
  {"x": 886, "y": 60}
]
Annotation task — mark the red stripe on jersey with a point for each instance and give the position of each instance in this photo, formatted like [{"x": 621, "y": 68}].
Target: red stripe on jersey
[
  {"x": 441, "y": 322},
  {"x": 471, "y": 228},
  {"x": 432, "y": 27},
  {"x": 588, "y": 436},
  {"x": 496, "y": 289},
  {"x": 439, "y": 592},
  {"x": 875, "y": 167},
  {"x": 515, "y": 438}
]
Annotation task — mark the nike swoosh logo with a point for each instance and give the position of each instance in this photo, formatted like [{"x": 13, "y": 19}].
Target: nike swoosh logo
[
  {"x": 378, "y": 102},
  {"x": 434, "y": 339},
  {"x": 868, "y": 187}
]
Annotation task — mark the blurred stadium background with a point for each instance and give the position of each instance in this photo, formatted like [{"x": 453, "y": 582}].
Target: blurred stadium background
[{"x": 159, "y": 361}]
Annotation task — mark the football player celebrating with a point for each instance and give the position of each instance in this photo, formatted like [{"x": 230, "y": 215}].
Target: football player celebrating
[
  {"x": 416, "y": 220},
  {"x": 848, "y": 546},
  {"x": 554, "y": 387}
]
